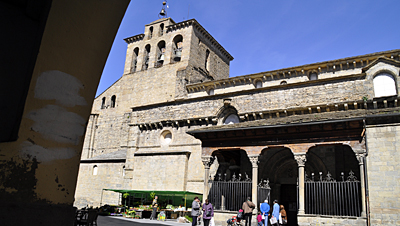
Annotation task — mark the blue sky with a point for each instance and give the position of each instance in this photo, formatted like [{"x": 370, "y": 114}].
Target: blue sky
[{"x": 265, "y": 35}]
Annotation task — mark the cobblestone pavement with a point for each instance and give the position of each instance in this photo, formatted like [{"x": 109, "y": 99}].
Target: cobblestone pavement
[{"x": 121, "y": 221}]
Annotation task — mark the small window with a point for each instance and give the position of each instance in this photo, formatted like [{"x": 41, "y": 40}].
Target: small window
[
  {"x": 103, "y": 103},
  {"x": 384, "y": 85},
  {"x": 283, "y": 83},
  {"x": 259, "y": 84},
  {"x": 207, "y": 63},
  {"x": 231, "y": 119},
  {"x": 113, "y": 99},
  {"x": 211, "y": 92},
  {"x": 123, "y": 171},
  {"x": 313, "y": 76},
  {"x": 95, "y": 170}
]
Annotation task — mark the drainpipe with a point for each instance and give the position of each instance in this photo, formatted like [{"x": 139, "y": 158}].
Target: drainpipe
[{"x": 366, "y": 175}]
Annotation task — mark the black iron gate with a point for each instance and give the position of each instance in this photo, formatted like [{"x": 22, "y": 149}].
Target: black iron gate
[
  {"x": 263, "y": 191},
  {"x": 330, "y": 197},
  {"x": 229, "y": 195}
]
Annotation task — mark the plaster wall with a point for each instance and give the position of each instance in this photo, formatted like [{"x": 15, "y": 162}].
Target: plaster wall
[{"x": 39, "y": 170}]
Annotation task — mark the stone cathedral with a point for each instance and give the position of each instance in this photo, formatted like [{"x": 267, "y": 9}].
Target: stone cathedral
[{"x": 323, "y": 139}]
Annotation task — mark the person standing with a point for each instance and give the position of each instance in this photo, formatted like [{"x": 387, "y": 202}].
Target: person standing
[
  {"x": 275, "y": 211},
  {"x": 264, "y": 208},
  {"x": 154, "y": 205},
  {"x": 208, "y": 212},
  {"x": 195, "y": 210},
  {"x": 283, "y": 216},
  {"x": 248, "y": 207},
  {"x": 259, "y": 219}
]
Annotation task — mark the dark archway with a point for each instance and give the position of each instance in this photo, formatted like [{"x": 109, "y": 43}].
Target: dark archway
[{"x": 279, "y": 167}]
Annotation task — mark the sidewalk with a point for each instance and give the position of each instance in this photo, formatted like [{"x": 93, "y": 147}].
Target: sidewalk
[{"x": 148, "y": 221}]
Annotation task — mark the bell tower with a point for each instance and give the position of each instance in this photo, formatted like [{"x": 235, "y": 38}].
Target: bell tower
[{"x": 168, "y": 56}]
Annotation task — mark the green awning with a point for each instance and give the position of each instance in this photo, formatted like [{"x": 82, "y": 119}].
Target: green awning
[
  {"x": 158, "y": 193},
  {"x": 176, "y": 197}
]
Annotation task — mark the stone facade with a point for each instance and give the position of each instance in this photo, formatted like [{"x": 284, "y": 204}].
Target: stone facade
[
  {"x": 383, "y": 174},
  {"x": 146, "y": 123}
]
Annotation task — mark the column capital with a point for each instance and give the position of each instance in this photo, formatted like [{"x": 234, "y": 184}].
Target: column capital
[
  {"x": 254, "y": 160},
  {"x": 360, "y": 157},
  {"x": 300, "y": 159},
  {"x": 207, "y": 161}
]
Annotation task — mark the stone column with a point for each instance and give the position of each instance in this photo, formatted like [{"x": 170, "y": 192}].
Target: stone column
[
  {"x": 301, "y": 162},
  {"x": 361, "y": 158},
  {"x": 254, "y": 163},
  {"x": 207, "y": 162}
]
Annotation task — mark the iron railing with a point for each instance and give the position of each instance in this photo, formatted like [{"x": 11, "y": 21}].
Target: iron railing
[
  {"x": 229, "y": 195},
  {"x": 330, "y": 197}
]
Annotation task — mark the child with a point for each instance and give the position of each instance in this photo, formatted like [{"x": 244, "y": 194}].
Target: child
[{"x": 259, "y": 219}]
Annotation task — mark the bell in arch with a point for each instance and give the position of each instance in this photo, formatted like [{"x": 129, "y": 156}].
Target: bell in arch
[{"x": 161, "y": 58}]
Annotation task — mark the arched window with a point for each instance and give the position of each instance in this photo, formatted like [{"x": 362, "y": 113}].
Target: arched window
[
  {"x": 211, "y": 92},
  {"x": 231, "y": 119},
  {"x": 150, "y": 32},
  {"x": 161, "y": 29},
  {"x": 113, "y": 99},
  {"x": 95, "y": 170},
  {"x": 207, "y": 64},
  {"x": 103, "y": 103},
  {"x": 166, "y": 137},
  {"x": 160, "y": 54},
  {"x": 384, "y": 85},
  {"x": 123, "y": 171},
  {"x": 313, "y": 76},
  {"x": 134, "y": 59},
  {"x": 146, "y": 57},
  {"x": 259, "y": 84},
  {"x": 177, "y": 48},
  {"x": 283, "y": 83}
]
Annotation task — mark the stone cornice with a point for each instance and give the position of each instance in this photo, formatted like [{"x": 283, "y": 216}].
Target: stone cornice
[
  {"x": 363, "y": 61},
  {"x": 134, "y": 38},
  {"x": 349, "y": 106},
  {"x": 204, "y": 32}
]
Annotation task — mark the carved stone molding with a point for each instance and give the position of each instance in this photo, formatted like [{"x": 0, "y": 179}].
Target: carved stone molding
[
  {"x": 301, "y": 160},
  {"x": 207, "y": 161},
  {"x": 254, "y": 160}
]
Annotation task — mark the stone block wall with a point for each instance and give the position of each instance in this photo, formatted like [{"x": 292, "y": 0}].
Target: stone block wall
[
  {"x": 312, "y": 220},
  {"x": 260, "y": 100},
  {"x": 160, "y": 172},
  {"x": 89, "y": 190},
  {"x": 383, "y": 174}
]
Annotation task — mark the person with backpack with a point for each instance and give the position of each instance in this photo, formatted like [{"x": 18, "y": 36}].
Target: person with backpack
[{"x": 248, "y": 207}]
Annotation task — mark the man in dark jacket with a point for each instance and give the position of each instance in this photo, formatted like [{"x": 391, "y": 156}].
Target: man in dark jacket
[{"x": 248, "y": 207}]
